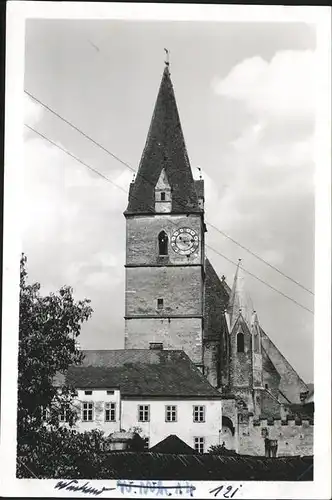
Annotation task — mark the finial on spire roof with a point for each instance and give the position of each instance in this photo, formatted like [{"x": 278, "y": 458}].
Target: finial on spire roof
[{"x": 167, "y": 57}]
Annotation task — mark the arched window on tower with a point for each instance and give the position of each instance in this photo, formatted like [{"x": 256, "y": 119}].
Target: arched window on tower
[
  {"x": 163, "y": 243},
  {"x": 240, "y": 342}
]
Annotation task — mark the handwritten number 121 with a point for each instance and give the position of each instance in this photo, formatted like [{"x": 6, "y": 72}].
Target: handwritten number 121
[{"x": 226, "y": 493}]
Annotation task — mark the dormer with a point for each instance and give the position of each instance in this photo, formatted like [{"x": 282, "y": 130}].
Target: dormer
[{"x": 162, "y": 194}]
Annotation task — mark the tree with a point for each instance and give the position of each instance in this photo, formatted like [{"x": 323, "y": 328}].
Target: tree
[
  {"x": 48, "y": 328},
  {"x": 65, "y": 453}
]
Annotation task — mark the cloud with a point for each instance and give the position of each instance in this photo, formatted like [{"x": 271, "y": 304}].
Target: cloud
[
  {"x": 283, "y": 87},
  {"x": 69, "y": 216},
  {"x": 32, "y": 111},
  {"x": 269, "y": 164}
]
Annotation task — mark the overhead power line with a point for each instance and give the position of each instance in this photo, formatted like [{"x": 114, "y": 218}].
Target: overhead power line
[
  {"x": 75, "y": 157},
  {"x": 259, "y": 279},
  {"x": 80, "y": 131},
  {"x": 127, "y": 165},
  {"x": 259, "y": 258},
  {"x": 116, "y": 185}
]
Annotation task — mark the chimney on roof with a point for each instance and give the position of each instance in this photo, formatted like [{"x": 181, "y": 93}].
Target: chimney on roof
[{"x": 156, "y": 346}]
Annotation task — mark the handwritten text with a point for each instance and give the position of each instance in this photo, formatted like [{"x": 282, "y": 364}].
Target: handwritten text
[{"x": 74, "y": 485}]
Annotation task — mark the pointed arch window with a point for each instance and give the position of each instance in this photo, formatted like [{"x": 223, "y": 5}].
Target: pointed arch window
[
  {"x": 163, "y": 243},
  {"x": 240, "y": 342}
]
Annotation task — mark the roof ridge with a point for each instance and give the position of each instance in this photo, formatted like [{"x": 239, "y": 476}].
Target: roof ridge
[{"x": 142, "y": 372}]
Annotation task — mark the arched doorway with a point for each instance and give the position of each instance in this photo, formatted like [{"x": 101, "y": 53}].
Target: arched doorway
[{"x": 227, "y": 433}]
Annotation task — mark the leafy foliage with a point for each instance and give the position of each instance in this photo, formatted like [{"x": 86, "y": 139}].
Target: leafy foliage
[
  {"x": 64, "y": 453},
  {"x": 48, "y": 328}
]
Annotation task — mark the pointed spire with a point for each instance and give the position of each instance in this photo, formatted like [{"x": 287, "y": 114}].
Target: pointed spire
[
  {"x": 164, "y": 149},
  {"x": 256, "y": 333},
  {"x": 239, "y": 302}
]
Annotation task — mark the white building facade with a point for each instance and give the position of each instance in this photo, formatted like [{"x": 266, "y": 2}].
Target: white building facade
[
  {"x": 155, "y": 393},
  {"x": 197, "y": 422}
]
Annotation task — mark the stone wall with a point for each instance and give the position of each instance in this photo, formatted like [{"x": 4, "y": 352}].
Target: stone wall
[
  {"x": 179, "y": 287},
  {"x": 176, "y": 279},
  {"x": 270, "y": 407},
  {"x": 229, "y": 411},
  {"x": 294, "y": 437},
  {"x": 142, "y": 239},
  {"x": 211, "y": 360},
  {"x": 240, "y": 362},
  {"x": 174, "y": 333}
]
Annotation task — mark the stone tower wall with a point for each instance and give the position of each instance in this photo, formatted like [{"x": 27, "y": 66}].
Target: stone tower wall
[
  {"x": 175, "y": 279},
  {"x": 173, "y": 333}
]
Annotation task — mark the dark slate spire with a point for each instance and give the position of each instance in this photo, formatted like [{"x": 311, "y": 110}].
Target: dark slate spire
[{"x": 164, "y": 149}]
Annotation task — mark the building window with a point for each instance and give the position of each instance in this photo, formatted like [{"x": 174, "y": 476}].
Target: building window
[
  {"x": 44, "y": 413},
  {"x": 87, "y": 412},
  {"x": 160, "y": 303},
  {"x": 199, "y": 413},
  {"x": 88, "y": 393},
  {"x": 199, "y": 444},
  {"x": 146, "y": 443},
  {"x": 162, "y": 196},
  {"x": 170, "y": 413},
  {"x": 110, "y": 412},
  {"x": 110, "y": 393},
  {"x": 143, "y": 413},
  {"x": 240, "y": 342},
  {"x": 163, "y": 243},
  {"x": 63, "y": 415}
]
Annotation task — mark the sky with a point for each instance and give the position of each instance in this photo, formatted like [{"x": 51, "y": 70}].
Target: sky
[{"x": 245, "y": 94}]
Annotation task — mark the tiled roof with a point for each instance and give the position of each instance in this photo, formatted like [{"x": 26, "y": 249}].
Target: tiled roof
[
  {"x": 305, "y": 411},
  {"x": 199, "y": 186},
  {"x": 164, "y": 149},
  {"x": 196, "y": 467},
  {"x": 289, "y": 377},
  {"x": 172, "y": 444},
  {"x": 141, "y": 373}
]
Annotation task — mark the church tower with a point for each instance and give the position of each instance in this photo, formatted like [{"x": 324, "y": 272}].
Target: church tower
[
  {"x": 246, "y": 370},
  {"x": 165, "y": 240}
]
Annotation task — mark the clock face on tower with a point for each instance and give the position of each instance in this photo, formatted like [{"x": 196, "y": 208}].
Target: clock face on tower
[{"x": 184, "y": 241}]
